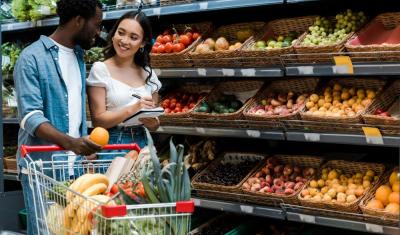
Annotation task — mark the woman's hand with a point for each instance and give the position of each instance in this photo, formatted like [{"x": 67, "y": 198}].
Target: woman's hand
[
  {"x": 150, "y": 123},
  {"x": 145, "y": 102}
]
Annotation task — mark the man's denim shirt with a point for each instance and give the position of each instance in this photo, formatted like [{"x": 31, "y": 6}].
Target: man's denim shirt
[{"x": 42, "y": 94}]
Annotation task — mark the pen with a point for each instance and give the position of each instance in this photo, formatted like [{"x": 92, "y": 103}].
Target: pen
[{"x": 136, "y": 96}]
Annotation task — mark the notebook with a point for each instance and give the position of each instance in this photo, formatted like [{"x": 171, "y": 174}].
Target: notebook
[{"x": 144, "y": 113}]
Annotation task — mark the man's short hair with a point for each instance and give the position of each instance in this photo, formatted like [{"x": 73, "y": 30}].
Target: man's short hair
[{"x": 68, "y": 9}]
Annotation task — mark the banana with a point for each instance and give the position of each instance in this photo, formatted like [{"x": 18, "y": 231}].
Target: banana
[
  {"x": 67, "y": 220},
  {"x": 69, "y": 210},
  {"x": 93, "y": 190},
  {"x": 88, "y": 206},
  {"x": 92, "y": 180},
  {"x": 75, "y": 185}
]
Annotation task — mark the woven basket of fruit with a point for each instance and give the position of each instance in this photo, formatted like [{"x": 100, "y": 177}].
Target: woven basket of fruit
[
  {"x": 381, "y": 35},
  {"x": 280, "y": 179},
  {"x": 221, "y": 48},
  {"x": 342, "y": 101},
  {"x": 172, "y": 47},
  {"x": 173, "y": 2},
  {"x": 227, "y": 100},
  {"x": 277, "y": 38},
  {"x": 385, "y": 109},
  {"x": 383, "y": 201},
  {"x": 328, "y": 35},
  {"x": 226, "y": 174},
  {"x": 281, "y": 100},
  {"x": 341, "y": 185},
  {"x": 180, "y": 103}
]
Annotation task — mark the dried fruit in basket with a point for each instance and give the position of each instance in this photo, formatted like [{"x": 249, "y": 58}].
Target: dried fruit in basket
[
  {"x": 200, "y": 154},
  {"x": 279, "y": 104},
  {"x": 337, "y": 187},
  {"x": 338, "y": 101},
  {"x": 100, "y": 136}
]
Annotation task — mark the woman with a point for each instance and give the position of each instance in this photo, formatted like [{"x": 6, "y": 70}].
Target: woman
[{"x": 125, "y": 73}]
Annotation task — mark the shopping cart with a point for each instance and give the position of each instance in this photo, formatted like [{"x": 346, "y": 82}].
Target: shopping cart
[{"x": 59, "y": 215}]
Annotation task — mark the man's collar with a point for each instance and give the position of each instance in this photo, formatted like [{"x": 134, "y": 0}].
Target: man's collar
[{"x": 48, "y": 43}]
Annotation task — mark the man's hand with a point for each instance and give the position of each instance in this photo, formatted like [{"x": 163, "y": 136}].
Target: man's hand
[{"x": 82, "y": 146}]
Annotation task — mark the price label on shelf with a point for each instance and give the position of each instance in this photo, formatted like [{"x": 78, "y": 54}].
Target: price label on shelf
[
  {"x": 248, "y": 72},
  {"x": 305, "y": 70},
  {"x": 202, "y": 72},
  {"x": 197, "y": 202},
  {"x": 158, "y": 71},
  {"x": 160, "y": 129},
  {"x": 373, "y": 135},
  {"x": 307, "y": 218},
  {"x": 313, "y": 137},
  {"x": 12, "y": 102},
  {"x": 157, "y": 11},
  {"x": 203, "y": 5},
  {"x": 345, "y": 62},
  {"x": 373, "y": 228},
  {"x": 253, "y": 133},
  {"x": 246, "y": 209},
  {"x": 228, "y": 72},
  {"x": 200, "y": 130}
]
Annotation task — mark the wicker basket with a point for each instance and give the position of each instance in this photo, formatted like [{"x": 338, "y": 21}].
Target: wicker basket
[
  {"x": 365, "y": 83},
  {"x": 386, "y": 101},
  {"x": 176, "y": 118},
  {"x": 317, "y": 50},
  {"x": 381, "y": 215},
  {"x": 267, "y": 198},
  {"x": 173, "y": 2},
  {"x": 10, "y": 164},
  {"x": 228, "y": 58},
  {"x": 180, "y": 59},
  {"x": 261, "y": 58},
  {"x": 244, "y": 89},
  {"x": 298, "y": 85},
  {"x": 381, "y": 52},
  {"x": 347, "y": 168},
  {"x": 209, "y": 188}
]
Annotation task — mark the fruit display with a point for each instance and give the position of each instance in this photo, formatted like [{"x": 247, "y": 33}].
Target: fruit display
[
  {"x": 200, "y": 154},
  {"x": 387, "y": 196},
  {"x": 279, "y": 178},
  {"x": 276, "y": 104},
  {"x": 327, "y": 31},
  {"x": 24, "y": 10},
  {"x": 172, "y": 41},
  {"x": 339, "y": 187},
  {"x": 181, "y": 102},
  {"x": 340, "y": 101},
  {"x": 393, "y": 112},
  {"x": 220, "y": 44},
  {"x": 277, "y": 42},
  {"x": 223, "y": 105}
]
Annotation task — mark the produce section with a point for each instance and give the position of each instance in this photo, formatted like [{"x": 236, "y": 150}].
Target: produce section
[{"x": 257, "y": 77}]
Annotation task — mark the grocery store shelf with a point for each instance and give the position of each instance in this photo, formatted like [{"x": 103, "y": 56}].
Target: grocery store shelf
[
  {"x": 330, "y": 70},
  {"x": 220, "y": 72},
  {"x": 153, "y": 11},
  {"x": 222, "y": 132},
  {"x": 340, "y": 138},
  {"x": 10, "y": 120},
  {"x": 10, "y": 176},
  {"x": 235, "y": 207}
]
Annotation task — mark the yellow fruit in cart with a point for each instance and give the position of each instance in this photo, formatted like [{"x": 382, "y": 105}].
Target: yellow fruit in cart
[
  {"x": 394, "y": 197},
  {"x": 396, "y": 186},
  {"x": 394, "y": 177},
  {"x": 375, "y": 204},
  {"x": 100, "y": 136},
  {"x": 382, "y": 194},
  {"x": 393, "y": 208}
]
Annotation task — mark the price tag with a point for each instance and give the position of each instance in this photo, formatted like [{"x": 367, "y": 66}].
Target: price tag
[
  {"x": 197, "y": 202},
  {"x": 203, "y": 5},
  {"x": 373, "y": 135},
  {"x": 248, "y": 72},
  {"x": 158, "y": 72},
  {"x": 313, "y": 137},
  {"x": 253, "y": 133},
  {"x": 11, "y": 102},
  {"x": 246, "y": 209},
  {"x": 374, "y": 228},
  {"x": 202, "y": 72},
  {"x": 305, "y": 70},
  {"x": 228, "y": 72},
  {"x": 160, "y": 129},
  {"x": 9, "y": 27},
  {"x": 157, "y": 11},
  {"x": 200, "y": 130},
  {"x": 307, "y": 218},
  {"x": 344, "y": 61},
  {"x": 104, "y": 15},
  {"x": 39, "y": 23}
]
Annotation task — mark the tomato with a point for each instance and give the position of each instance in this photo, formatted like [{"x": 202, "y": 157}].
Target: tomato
[
  {"x": 114, "y": 189},
  {"x": 178, "y": 105},
  {"x": 167, "y": 110},
  {"x": 178, "y": 47},
  {"x": 159, "y": 39},
  {"x": 173, "y": 100},
  {"x": 154, "y": 49},
  {"x": 185, "y": 40},
  {"x": 185, "y": 109},
  {"x": 172, "y": 106},
  {"x": 190, "y": 35},
  {"x": 168, "y": 47},
  {"x": 166, "y": 38},
  {"x": 191, "y": 105},
  {"x": 195, "y": 36},
  {"x": 161, "y": 49},
  {"x": 178, "y": 110}
]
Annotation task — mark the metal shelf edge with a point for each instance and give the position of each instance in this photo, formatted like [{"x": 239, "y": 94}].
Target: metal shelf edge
[{"x": 9, "y": 176}]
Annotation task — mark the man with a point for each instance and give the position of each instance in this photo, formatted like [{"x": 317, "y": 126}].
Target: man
[{"x": 50, "y": 83}]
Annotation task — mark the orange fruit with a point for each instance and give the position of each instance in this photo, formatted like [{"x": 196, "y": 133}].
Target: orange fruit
[
  {"x": 394, "y": 177},
  {"x": 100, "y": 136},
  {"x": 393, "y": 208},
  {"x": 375, "y": 204},
  {"x": 394, "y": 197},
  {"x": 396, "y": 186},
  {"x": 382, "y": 194}
]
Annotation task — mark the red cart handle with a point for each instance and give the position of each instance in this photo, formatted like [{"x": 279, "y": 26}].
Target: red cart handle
[{"x": 25, "y": 149}]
